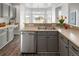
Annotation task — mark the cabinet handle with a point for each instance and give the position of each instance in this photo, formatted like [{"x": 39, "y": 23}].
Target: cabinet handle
[
  {"x": 75, "y": 49},
  {"x": 66, "y": 46}
]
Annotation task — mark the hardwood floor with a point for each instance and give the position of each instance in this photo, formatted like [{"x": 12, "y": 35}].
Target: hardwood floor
[{"x": 12, "y": 48}]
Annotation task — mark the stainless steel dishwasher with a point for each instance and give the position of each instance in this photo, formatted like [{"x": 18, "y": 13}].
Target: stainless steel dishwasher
[{"x": 28, "y": 42}]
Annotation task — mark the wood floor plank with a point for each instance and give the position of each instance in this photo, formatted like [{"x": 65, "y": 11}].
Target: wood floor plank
[{"x": 12, "y": 48}]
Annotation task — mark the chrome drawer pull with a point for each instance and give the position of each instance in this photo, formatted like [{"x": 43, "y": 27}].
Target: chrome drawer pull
[{"x": 66, "y": 46}]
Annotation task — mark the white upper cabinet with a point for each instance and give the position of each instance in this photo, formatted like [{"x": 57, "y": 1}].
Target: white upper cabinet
[
  {"x": 5, "y": 10},
  {"x": 0, "y": 10},
  {"x": 11, "y": 11}
]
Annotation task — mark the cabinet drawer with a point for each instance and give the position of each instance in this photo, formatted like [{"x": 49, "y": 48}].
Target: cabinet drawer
[
  {"x": 41, "y": 33},
  {"x": 74, "y": 48},
  {"x": 52, "y": 33},
  {"x": 48, "y": 33},
  {"x": 52, "y": 37},
  {"x": 29, "y": 33},
  {"x": 42, "y": 37}
]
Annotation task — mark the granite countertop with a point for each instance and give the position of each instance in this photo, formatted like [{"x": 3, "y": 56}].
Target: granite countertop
[
  {"x": 71, "y": 34},
  {"x": 36, "y": 29}
]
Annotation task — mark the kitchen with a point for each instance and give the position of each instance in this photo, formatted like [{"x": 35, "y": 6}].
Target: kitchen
[{"x": 43, "y": 29}]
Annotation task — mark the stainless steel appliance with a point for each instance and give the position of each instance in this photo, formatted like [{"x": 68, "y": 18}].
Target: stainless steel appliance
[{"x": 28, "y": 44}]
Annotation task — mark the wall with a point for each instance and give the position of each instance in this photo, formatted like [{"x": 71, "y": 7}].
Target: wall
[
  {"x": 22, "y": 15},
  {"x": 53, "y": 14},
  {"x": 64, "y": 10},
  {"x": 72, "y": 7}
]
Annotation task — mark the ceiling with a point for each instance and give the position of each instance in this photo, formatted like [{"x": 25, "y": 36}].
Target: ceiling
[
  {"x": 39, "y": 5},
  {"x": 36, "y": 5},
  {"x": 15, "y": 3}
]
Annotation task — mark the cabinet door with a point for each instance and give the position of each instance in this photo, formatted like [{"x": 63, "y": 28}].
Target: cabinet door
[
  {"x": 32, "y": 42},
  {"x": 3, "y": 38},
  {"x": 42, "y": 44},
  {"x": 63, "y": 48},
  {"x": 11, "y": 12},
  {"x": 0, "y": 9},
  {"x": 14, "y": 12},
  {"x": 10, "y": 33},
  {"x": 52, "y": 44},
  {"x": 5, "y": 10},
  {"x": 60, "y": 45}
]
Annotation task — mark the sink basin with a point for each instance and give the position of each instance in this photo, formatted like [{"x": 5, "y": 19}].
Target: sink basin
[{"x": 46, "y": 28}]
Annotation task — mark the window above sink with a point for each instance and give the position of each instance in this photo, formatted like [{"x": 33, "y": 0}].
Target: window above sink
[{"x": 38, "y": 15}]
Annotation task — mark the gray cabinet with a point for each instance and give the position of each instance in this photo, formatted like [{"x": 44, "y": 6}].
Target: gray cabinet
[
  {"x": 63, "y": 45},
  {"x": 73, "y": 49},
  {"x": 52, "y": 42},
  {"x": 42, "y": 44},
  {"x": 47, "y": 41},
  {"x": 72, "y": 53},
  {"x": 28, "y": 42}
]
